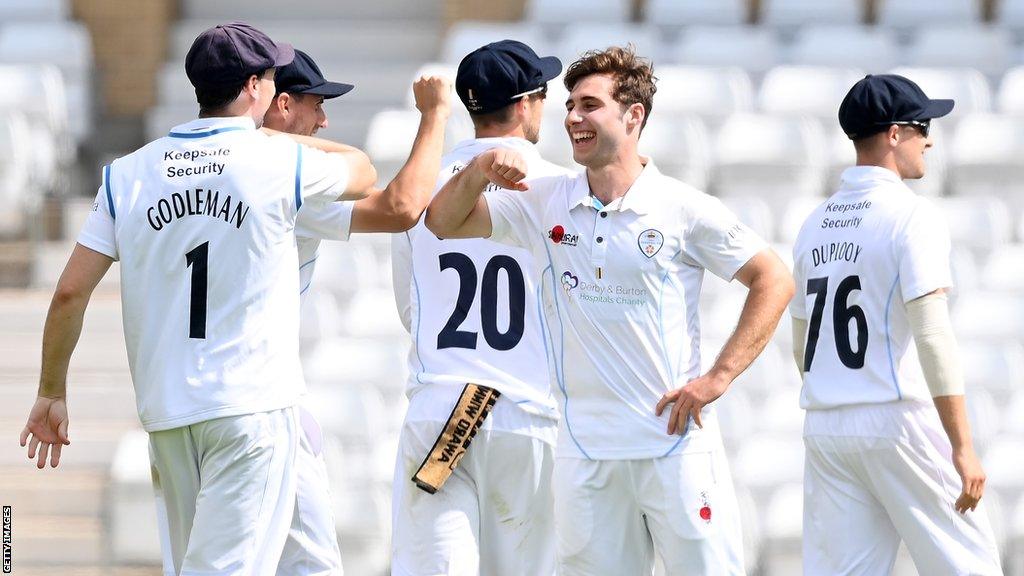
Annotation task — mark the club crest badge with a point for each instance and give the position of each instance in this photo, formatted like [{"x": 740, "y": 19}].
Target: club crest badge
[{"x": 650, "y": 242}]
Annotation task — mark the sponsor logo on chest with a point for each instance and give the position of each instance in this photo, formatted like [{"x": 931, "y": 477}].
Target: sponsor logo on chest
[{"x": 558, "y": 235}]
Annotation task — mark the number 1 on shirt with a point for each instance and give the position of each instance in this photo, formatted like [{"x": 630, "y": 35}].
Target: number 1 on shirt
[{"x": 197, "y": 260}]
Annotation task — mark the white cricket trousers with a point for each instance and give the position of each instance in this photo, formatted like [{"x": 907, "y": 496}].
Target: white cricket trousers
[
  {"x": 876, "y": 474},
  {"x": 493, "y": 517},
  {"x": 611, "y": 516},
  {"x": 228, "y": 489},
  {"x": 312, "y": 545}
]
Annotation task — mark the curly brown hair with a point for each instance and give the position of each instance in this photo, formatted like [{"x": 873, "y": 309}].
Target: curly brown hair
[{"x": 633, "y": 75}]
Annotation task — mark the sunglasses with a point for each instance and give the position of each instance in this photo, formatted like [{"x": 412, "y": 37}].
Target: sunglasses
[
  {"x": 922, "y": 127},
  {"x": 541, "y": 92}
]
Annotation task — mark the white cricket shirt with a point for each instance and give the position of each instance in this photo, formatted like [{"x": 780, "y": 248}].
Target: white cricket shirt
[
  {"x": 870, "y": 248},
  {"x": 203, "y": 221},
  {"x": 473, "y": 307},
  {"x": 626, "y": 282},
  {"x": 319, "y": 219}
]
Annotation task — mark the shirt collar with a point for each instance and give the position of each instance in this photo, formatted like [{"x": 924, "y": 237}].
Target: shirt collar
[
  {"x": 638, "y": 198},
  {"x": 479, "y": 145},
  {"x": 861, "y": 177},
  {"x": 202, "y": 127}
]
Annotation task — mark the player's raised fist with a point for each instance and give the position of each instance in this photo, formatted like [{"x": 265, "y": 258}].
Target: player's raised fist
[
  {"x": 433, "y": 94},
  {"x": 504, "y": 167}
]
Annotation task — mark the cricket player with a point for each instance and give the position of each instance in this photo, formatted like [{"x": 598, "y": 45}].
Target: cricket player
[
  {"x": 312, "y": 546},
  {"x": 873, "y": 339},
  {"x": 202, "y": 223},
  {"x": 627, "y": 248},
  {"x": 473, "y": 309}
]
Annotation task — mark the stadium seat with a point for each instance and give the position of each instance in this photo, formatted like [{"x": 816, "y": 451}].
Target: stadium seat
[
  {"x": 585, "y": 36},
  {"x": 804, "y": 12},
  {"x": 995, "y": 366},
  {"x": 982, "y": 47},
  {"x": 575, "y": 11},
  {"x": 1003, "y": 270},
  {"x": 46, "y": 10},
  {"x": 770, "y": 157},
  {"x": 750, "y": 522},
  {"x": 66, "y": 45},
  {"x": 806, "y": 90},
  {"x": 915, "y": 15},
  {"x": 342, "y": 361},
  {"x": 173, "y": 87},
  {"x": 967, "y": 86},
  {"x": 712, "y": 93},
  {"x": 984, "y": 416},
  {"x": 363, "y": 519},
  {"x": 1002, "y": 467},
  {"x": 780, "y": 414},
  {"x": 312, "y": 10},
  {"x": 15, "y": 173},
  {"x": 694, "y": 12},
  {"x": 356, "y": 46},
  {"x": 763, "y": 463},
  {"x": 352, "y": 413},
  {"x": 319, "y": 316},
  {"x": 554, "y": 145},
  {"x": 465, "y": 36},
  {"x": 1013, "y": 556},
  {"x": 134, "y": 534},
  {"x": 372, "y": 313},
  {"x": 871, "y": 49},
  {"x": 753, "y": 48},
  {"x": 987, "y": 159},
  {"x": 754, "y": 212},
  {"x": 1009, "y": 13},
  {"x": 990, "y": 317},
  {"x": 391, "y": 133},
  {"x": 783, "y": 529},
  {"x": 679, "y": 147},
  {"x": 736, "y": 417},
  {"x": 979, "y": 223},
  {"x": 1010, "y": 98},
  {"x": 797, "y": 211}
]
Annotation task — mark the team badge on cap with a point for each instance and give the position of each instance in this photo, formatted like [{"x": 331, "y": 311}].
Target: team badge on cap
[{"x": 650, "y": 242}]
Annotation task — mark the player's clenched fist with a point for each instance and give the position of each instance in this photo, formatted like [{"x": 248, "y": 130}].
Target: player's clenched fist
[
  {"x": 504, "y": 167},
  {"x": 433, "y": 94}
]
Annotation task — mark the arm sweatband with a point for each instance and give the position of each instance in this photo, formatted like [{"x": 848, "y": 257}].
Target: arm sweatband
[
  {"x": 936, "y": 345},
  {"x": 799, "y": 342}
]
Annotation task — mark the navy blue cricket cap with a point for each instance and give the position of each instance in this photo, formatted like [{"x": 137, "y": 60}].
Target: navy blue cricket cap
[
  {"x": 303, "y": 76},
  {"x": 494, "y": 76},
  {"x": 227, "y": 54},
  {"x": 879, "y": 101}
]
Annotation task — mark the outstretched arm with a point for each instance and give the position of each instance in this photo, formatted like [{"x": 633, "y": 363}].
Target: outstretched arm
[
  {"x": 459, "y": 210},
  {"x": 47, "y": 425},
  {"x": 770, "y": 290},
  {"x": 398, "y": 206}
]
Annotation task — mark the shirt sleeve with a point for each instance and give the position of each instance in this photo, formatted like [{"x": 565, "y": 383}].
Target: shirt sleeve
[
  {"x": 319, "y": 175},
  {"x": 98, "y": 232},
  {"x": 719, "y": 242},
  {"x": 401, "y": 276},
  {"x": 516, "y": 216},
  {"x": 924, "y": 248},
  {"x": 325, "y": 220}
]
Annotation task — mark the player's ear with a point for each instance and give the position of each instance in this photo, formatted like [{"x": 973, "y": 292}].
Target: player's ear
[
  {"x": 282, "y": 102},
  {"x": 893, "y": 135},
  {"x": 635, "y": 115}
]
